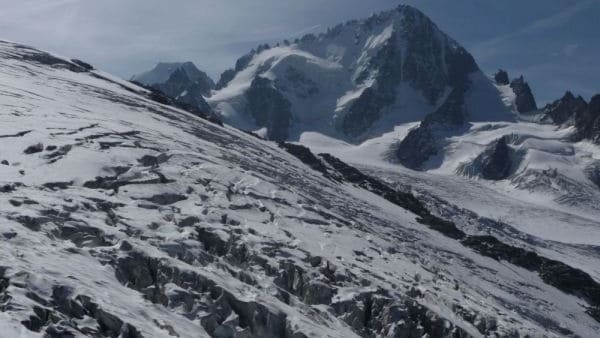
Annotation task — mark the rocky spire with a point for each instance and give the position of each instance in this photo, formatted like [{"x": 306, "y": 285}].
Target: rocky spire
[
  {"x": 496, "y": 161},
  {"x": 525, "y": 102}
]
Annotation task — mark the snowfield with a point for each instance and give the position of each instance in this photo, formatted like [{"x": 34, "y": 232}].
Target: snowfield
[
  {"x": 563, "y": 213},
  {"x": 122, "y": 217}
]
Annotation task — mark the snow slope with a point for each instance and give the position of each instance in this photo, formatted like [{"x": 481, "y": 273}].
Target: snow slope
[
  {"x": 548, "y": 174},
  {"x": 122, "y": 217}
]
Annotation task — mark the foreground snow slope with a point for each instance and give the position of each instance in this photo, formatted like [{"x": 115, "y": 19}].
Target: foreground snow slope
[{"x": 123, "y": 217}]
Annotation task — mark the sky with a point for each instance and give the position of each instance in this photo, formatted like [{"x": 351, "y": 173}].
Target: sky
[{"x": 554, "y": 43}]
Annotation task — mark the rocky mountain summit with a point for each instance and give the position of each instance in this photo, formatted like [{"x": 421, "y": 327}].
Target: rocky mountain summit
[
  {"x": 495, "y": 163},
  {"x": 353, "y": 82},
  {"x": 165, "y": 72},
  {"x": 183, "y": 82},
  {"x": 501, "y": 78},
  {"x": 124, "y": 216}
]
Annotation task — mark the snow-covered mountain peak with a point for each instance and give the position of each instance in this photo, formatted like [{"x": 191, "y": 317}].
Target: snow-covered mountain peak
[
  {"x": 182, "y": 82},
  {"x": 164, "y": 70},
  {"x": 355, "y": 81},
  {"x": 354, "y": 42}
]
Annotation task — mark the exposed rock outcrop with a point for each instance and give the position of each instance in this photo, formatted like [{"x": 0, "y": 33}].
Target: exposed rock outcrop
[
  {"x": 565, "y": 109},
  {"x": 183, "y": 82},
  {"x": 587, "y": 122},
  {"x": 181, "y": 87},
  {"x": 524, "y": 101},
  {"x": 422, "y": 142},
  {"x": 494, "y": 163},
  {"x": 269, "y": 108},
  {"x": 501, "y": 77},
  {"x": 497, "y": 163}
]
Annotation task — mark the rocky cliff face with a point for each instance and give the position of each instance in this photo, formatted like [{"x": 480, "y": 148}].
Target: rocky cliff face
[
  {"x": 425, "y": 141},
  {"x": 183, "y": 89},
  {"x": 564, "y": 110},
  {"x": 269, "y": 108},
  {"x": 587, "y": 121},
  {"x": 183, "y": 82},
  {"x": 355, "y": 79},
  {"x": 163, "y": 72},
  {"x": 524, "y": 101}
]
